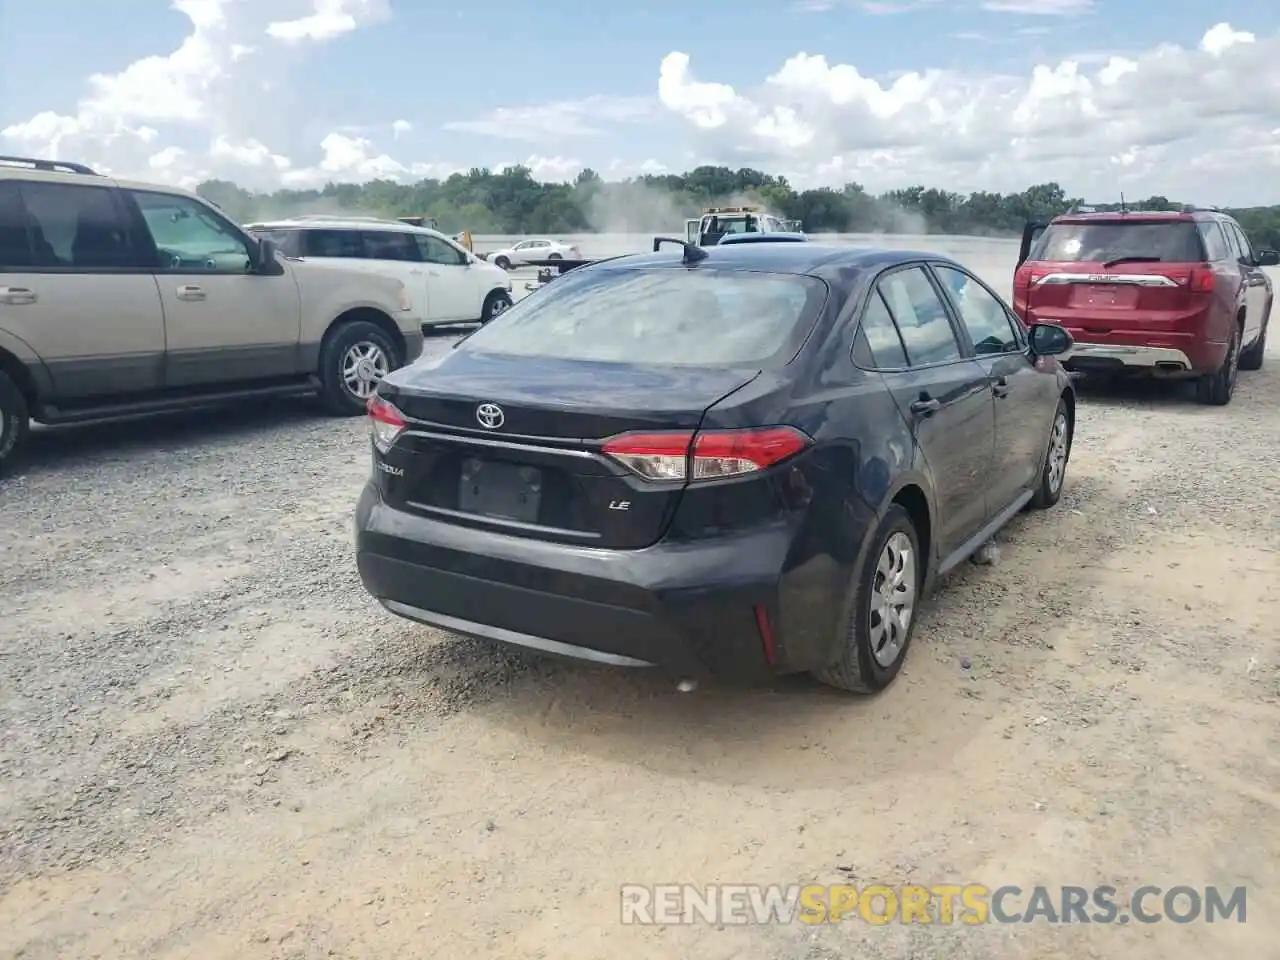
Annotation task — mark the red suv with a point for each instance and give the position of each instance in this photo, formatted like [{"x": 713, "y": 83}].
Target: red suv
[{"x": 1177, "y": 295}]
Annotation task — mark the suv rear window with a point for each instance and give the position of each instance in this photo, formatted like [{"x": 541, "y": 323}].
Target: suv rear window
[
  {"x": 702, "y": 317},
  {"x": 1174, "y": 241}
]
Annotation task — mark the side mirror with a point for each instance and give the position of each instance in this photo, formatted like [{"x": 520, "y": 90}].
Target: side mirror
[
  {"x": 1050, "y": 340},
  {"x": 266, "y": 252},
  {"x": 1267, "y": 258}
]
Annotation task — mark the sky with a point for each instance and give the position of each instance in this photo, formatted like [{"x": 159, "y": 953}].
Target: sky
[{"x": 1174, "y": 97}]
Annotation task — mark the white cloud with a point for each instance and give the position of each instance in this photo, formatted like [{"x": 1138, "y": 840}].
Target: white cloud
[
  {"x": 328, "y": 19},
  {"x": 1142, "y": 121},
  {"x": 553, "y": 122},
  {"x": 400, "y": 127},
  {"x": 549, "y": 169}
]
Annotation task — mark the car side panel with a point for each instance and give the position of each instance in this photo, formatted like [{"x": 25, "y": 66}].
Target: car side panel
[{"x": 99, "y": 334}]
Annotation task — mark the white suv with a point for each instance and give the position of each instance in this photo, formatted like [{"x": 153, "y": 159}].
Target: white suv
[{"x": 447, "y": 283}]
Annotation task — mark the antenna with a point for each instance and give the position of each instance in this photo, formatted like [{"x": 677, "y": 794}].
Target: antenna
[
  {"x": 1123, "y": 208},
  {"x": 692, "y": 252}
]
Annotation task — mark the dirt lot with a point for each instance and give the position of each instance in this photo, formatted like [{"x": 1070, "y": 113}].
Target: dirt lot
[{"x": 216, "y": 746}]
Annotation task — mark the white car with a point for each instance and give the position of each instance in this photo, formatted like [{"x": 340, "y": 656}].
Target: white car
[
  {"x": 447, "y": 283},
  {"x": 538, "y": 248}
]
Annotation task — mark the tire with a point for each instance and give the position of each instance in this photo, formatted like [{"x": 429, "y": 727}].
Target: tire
[
  {"x": 1251, "y": 359},
  {"x": 554, "y": 256},
  {"x": 1216, "y": 389},
  {"x": 502, "y": 262},
  {"x": 346, "y": 383},
  {"x": 496, "y": 304},
  {"x": 1053, "y": 473},
  {"x": 857, "y": 668},
  {"x": 15, "y": 421}
]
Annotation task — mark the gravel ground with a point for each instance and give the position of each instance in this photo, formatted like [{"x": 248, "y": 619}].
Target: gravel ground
[{"x": 215, "y": 745}]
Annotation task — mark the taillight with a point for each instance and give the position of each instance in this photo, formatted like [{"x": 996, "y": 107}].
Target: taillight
[
  {"x": 710, "y": 455},
  {"x": 1202, "y": 280},
  {"x": 386, "y": 423}
]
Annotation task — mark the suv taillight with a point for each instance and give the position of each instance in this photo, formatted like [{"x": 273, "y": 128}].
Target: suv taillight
[
  {"x": 709, "y": 455},
  {"x": 1202, "y": 280},
  {"x": 386, "y": 423}
]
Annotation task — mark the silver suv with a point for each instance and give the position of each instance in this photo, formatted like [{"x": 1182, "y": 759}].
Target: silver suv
[{"x": 123, "y": 298}]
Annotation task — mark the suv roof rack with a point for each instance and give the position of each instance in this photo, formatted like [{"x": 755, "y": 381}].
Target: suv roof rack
[
  {"x": 1198, "y": 208},
  {"x": 51, "y": 166}
]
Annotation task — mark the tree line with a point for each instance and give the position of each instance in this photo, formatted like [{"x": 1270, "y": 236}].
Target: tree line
[{"x": 511, "y": 201}]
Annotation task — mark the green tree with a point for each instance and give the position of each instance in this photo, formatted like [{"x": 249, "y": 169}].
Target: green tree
[{"x": 512, "y": 201}]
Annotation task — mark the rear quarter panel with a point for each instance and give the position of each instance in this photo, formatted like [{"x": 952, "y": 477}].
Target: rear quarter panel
[
  {"x": 863, "y": 454},
  {"x": 13, "y": 344},
  {"x": 329, "y": 290}
]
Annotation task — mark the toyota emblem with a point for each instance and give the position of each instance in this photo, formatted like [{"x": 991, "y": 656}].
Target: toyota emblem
[{"x": 490, "y": 415}]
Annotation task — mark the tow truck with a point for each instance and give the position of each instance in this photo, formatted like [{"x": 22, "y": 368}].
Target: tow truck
[{"x": 716, "y": 222}]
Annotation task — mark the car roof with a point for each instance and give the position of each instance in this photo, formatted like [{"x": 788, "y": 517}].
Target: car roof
[
  {"x": 342, "y": 223},
  {"x": 1142, "y": 216},
  {"x": 824, "y": 260}
]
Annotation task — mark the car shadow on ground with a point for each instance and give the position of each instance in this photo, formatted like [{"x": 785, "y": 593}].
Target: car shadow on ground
[
  {"x": 789, "y": 732},
  {"x": 1176, "y": 393},
  {"x": 72, "y": 446}
]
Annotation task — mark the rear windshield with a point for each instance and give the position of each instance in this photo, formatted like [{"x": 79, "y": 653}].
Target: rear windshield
[
  {"x": 1175, "y": 241},
  {"x": 696, "y": 317}
]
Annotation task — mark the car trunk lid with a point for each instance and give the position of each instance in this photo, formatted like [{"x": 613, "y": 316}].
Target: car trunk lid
[{"x": 515, "y": 443}]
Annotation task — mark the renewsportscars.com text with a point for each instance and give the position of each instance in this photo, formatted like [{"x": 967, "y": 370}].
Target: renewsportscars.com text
[{"x": 945, "y": 903}]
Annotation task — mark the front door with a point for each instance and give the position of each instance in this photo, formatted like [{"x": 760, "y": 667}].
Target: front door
[
  {"x": 945, "y": 397},
  {"x": 223, "y": 323},
  {"x": 451, "y": 288},
  {"x": 1022, "y": 430},
  {"x": 76, "y": 290}
]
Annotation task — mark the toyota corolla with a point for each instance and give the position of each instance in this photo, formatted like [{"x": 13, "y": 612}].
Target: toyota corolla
[{"x": 740, "y": 461}]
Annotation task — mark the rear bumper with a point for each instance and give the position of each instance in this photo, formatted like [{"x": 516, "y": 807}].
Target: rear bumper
[
  {"x": 1190, "y": 356},
  {"x": 686, "y": 608}
]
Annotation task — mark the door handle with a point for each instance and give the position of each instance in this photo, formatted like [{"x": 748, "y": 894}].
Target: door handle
[
  {"x": 925, "y": 406},
  {"x": 190, "y": 292},
  {"x": 1001, "y": 387},
  {"x": 17, "y": 295}
]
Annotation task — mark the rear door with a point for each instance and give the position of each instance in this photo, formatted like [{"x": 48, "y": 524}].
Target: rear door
[
  {"x": 509, "y": 430},
  {"x": 1024, "y": 398},
  {"x": 1030, "y": 234},
  {"x": 223, "y": 322},
  {"x": 942, "y": 393},
  {"x": 84, "y": 299}
]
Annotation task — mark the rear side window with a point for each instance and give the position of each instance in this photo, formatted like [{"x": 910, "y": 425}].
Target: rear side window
[
  {"x": 1246, "y": 248},
  {"x": 1215, "y": 243},
  {"x": 389, "y": 245},
  {"x": 15, "y": 241},
  {"x": 663, "y": 316},
  {"x": 921, "y": 318},
  {"x": 1172, "y": 241},
  {"x": 77, "y": 227},
  {"x": 877, "y": 345},
  {"x": 333, "y": 243}
]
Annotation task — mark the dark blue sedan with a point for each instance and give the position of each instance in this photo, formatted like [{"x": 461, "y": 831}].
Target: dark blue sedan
[{"x": 740, "y": 461}]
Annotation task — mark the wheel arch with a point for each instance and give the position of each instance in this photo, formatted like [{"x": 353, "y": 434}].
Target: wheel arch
[{"x": 373, "y": 315}]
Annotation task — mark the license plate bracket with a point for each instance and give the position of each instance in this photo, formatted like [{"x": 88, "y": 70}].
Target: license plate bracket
[
  {"x": 505, "y": 490},
  {"x": 1104, "y": 295}
]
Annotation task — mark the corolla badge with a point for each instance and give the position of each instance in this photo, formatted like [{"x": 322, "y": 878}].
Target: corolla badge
[{"x": 490, "y": 415}]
